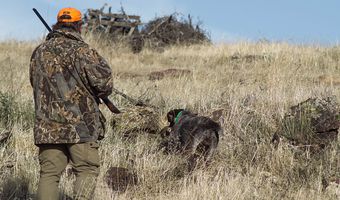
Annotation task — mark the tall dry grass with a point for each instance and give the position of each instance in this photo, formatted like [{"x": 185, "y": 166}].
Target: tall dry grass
[{"x": 255, "y": 83}]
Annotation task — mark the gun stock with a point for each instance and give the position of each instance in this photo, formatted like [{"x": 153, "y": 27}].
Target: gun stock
[{"x": 110, "y": 105}]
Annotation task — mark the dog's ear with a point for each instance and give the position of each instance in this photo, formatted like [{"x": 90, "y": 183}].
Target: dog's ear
[
  {"x": 171, "y": 117},
  {"x": 217, "y": 114}
]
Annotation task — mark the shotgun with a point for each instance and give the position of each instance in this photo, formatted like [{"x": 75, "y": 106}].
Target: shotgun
[{"x": 106, "y": 100}]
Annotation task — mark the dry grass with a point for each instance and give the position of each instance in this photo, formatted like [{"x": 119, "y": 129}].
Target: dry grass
[{"x": 254, "y": 83}]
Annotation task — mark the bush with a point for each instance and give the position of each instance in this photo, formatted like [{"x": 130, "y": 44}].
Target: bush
[
  {"x": 12, "y": 112},
  {"x": 169, "y": 30}
]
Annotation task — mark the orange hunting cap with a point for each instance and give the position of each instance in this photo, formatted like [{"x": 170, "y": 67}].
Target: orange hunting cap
[{"x": 69, "y": 15}]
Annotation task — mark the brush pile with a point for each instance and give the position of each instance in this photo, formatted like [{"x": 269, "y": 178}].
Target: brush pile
[
  {"x": 158, "y": 33},
  {"x": 111, "y": 24},
  {"x": 170, "y": 30}
]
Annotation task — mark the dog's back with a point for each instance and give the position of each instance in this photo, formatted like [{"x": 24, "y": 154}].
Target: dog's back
[
  {"x": 198, "y": 135},
  {"x": 196, "y": 125}
]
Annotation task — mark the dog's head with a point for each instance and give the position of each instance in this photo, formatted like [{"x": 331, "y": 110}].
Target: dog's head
[{"x": 172, "y": 114}]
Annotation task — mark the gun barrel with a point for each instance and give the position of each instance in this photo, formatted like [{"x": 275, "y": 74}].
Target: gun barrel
[{"x": 42, "y": 20}]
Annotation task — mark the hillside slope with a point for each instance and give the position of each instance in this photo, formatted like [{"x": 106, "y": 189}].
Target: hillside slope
[{"x": 254, "y": 83}]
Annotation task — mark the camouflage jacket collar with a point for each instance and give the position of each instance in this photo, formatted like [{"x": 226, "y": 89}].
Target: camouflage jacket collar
[{"x": 64, "y": 33}]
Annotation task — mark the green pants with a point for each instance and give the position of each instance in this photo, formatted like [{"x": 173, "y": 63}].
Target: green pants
[{"x": 53, "y": 159}]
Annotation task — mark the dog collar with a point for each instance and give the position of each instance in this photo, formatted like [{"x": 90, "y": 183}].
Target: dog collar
[{"x": 178, "y": 116}]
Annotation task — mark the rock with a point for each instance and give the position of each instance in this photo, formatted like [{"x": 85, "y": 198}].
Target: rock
[
  {"x": 136, "y": 119},
  {"x": 313, "y": 122},
  {"x": 119, "y": 178}
]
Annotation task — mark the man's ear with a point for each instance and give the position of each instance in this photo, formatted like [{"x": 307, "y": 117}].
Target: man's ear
[{"x": 79, "y": 26}]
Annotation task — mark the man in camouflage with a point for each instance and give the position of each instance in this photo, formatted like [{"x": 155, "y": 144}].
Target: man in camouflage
[{"x": 68, "y": 78}]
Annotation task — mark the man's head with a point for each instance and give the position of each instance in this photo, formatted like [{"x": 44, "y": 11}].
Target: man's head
[
  {"x": 67, "y": 15},
  {"x": 69, "y": 18}
]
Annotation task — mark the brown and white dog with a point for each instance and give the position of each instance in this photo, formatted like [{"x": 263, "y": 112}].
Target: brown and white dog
[{"x": 193, "y": 135}]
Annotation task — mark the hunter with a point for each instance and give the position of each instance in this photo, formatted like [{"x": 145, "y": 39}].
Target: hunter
[{"x": 68, "y": 80}]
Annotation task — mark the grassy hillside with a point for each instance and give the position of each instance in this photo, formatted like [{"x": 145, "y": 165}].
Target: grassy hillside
[{"x": 255, "y": 83}]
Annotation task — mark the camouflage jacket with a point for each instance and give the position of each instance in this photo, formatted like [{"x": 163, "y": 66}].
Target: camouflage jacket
[{"x": 67, "y": 77}]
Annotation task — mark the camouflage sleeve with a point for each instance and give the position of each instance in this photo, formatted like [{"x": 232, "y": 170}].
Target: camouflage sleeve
[
  {"x": 32, "y": 66},
  {"x": 97, "y": 71}
]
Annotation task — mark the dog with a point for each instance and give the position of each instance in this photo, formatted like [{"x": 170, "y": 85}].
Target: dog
[{"x": 193, "y": 135}]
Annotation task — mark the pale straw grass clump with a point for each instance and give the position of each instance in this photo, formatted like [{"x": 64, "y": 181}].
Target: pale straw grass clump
[{"x": 255, "y": 84}]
